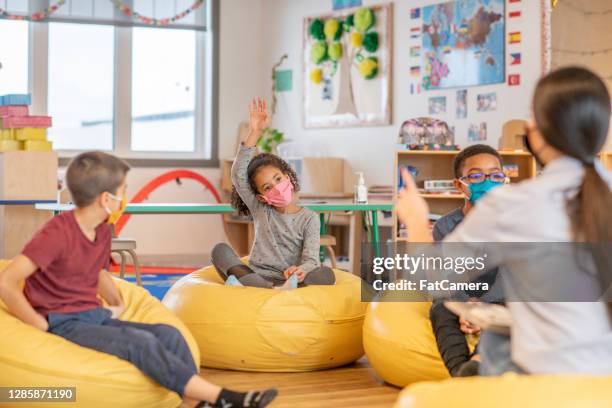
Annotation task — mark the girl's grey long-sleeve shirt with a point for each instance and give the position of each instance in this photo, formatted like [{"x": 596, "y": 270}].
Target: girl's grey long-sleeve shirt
[{"x": 281, "y": 240}]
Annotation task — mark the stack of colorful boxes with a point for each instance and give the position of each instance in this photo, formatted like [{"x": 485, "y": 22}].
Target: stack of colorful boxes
[{"x": 18, "y": 130}]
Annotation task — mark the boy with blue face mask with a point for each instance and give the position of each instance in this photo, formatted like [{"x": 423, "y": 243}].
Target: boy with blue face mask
[{"x": 478, "y": 170}]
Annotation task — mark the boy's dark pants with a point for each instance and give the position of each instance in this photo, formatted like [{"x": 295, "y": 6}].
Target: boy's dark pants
[
  {"x": 451, "y": 340},
  {"x": 158, "y": 350}
]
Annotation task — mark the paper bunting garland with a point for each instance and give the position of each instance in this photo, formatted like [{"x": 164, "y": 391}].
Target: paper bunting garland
[
  {"x": 128, "y": 11},
  {"x": 37, "y": 16}
]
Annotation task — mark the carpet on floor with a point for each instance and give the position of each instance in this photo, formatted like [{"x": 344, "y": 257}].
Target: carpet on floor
[{"x": 157, "y": 280}]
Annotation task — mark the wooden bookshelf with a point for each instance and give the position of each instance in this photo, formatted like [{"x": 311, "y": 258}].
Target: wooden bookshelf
[
  {"x": 438, "y": 165},
  {"x": 606, "y": 159}
]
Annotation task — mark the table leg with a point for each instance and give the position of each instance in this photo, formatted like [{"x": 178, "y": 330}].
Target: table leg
[
  {"x": 356, "y": 231},
  {"x": 323, "y": 231},
  {"x": 375, "y": 236}
]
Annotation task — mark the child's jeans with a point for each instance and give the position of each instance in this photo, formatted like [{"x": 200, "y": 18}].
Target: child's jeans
[
  {"x": 158, "y": 350},
  {"x": 495, "y": 355}
]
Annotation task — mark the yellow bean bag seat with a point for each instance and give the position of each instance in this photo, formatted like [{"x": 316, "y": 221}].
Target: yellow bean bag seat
[
  {"x": 255, "y": 329},
  {"x": 400, "y": 344},
  {"x": 510, "y": 391},
  {"x": 32, "y": 358}
]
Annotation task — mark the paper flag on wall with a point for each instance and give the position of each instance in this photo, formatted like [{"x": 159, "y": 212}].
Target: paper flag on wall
[
  {"x": 515, "y": 37},
  {"x": 515, "y": 58},
  {"x": 415, "y": 13},
  {"x": 514, "y": 80},
  {"x": 514, "y": 14},
  {"x": 415, "y": 70}
]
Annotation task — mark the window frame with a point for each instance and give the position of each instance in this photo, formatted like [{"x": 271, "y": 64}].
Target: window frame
[{"x": 207, "y": 94}]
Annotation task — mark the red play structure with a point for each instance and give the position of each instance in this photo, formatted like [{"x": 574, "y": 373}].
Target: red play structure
[{"x": 151, "y": 186}]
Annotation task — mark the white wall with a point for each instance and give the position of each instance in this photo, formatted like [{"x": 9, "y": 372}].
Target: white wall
[
  {"x": 371, "y": 148},
  {"x": 241, "y": 76},
  {"x": 254, "y": 34}
]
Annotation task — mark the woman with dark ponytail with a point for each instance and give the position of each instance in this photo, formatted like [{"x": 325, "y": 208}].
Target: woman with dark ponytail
[
  {"x": 572, "y": 114},
  {"x": 561, "y": 323}
]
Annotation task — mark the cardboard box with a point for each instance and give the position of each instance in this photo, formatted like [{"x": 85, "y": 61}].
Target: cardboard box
[
  {"x": 7, "y": 134},
  {"x": 37, "y": 146},
  {"x": 11, "y": 122},
  {"x": 9, "y": 145},
  {"x": 327, "y": 175},
  {"x": 14, "y": 110},
  {"x": 31, "y": 134},
  {"x": 15, "y": 99}
]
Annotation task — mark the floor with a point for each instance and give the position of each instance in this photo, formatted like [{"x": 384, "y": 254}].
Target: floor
[{"x": 354, "y": 385}]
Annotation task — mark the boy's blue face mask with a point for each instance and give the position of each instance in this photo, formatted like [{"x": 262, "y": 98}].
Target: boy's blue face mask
[{"x": 479, "y": 190}]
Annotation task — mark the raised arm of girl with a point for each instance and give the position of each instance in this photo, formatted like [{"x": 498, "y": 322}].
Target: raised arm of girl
[{"x": 258, "y": 121}]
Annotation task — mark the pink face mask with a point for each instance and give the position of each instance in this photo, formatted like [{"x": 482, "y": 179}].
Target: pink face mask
[{"x": 280, "y": 195}]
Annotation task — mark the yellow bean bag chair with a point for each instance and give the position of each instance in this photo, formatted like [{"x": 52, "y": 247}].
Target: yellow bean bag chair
[
  {"x": 510, "y": 391},
  {"x": 400, "y": 344},
  {"x": 32, "y": 358},
  {"x": 255, "y": 329}
]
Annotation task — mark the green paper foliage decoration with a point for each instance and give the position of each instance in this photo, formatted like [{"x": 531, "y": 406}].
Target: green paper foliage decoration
[
  {"x": 318, "y": 53},
  {"x": 370, "y": 42},
  {"x": 350, "y": 20},
  {"x": 335, "y": 51},
  {"x": 368, "y": 67},
  {"x": 317, "y": 30},
  {"x": 333, "y": 29},
  {"x": 364, "y": 19},
  {"x": 329, "y": 45}
]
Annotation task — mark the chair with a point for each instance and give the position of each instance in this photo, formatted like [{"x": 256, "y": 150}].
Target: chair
[
  {"x": 512, "y": 135},
  {"x": 311, "y": 328},
  {"x": 328, "y": 242},
  {"x": 121, "y": 246}
]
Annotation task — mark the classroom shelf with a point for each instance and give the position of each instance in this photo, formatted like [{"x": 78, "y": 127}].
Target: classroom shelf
[
  {"x": 438, "y": 165},
  {"x": 455, "y": 152},
  {"x": 428, "y": 152},
  {"x": 435, "y": 196}
]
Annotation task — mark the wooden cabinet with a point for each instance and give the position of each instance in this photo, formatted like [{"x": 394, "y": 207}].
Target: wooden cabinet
[
  {"x": 438, "y": 165},
  {"x": 24, "y": 176}
]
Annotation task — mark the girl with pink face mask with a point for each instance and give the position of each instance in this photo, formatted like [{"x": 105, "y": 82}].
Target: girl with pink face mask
[{"x": 285, "y": 250}]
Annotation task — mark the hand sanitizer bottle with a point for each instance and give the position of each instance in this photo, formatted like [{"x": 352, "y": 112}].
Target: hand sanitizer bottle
[{"x": 361, "y": 191}]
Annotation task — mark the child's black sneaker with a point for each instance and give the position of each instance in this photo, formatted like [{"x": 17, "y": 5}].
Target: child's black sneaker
[{"x": 250, "y": 399}]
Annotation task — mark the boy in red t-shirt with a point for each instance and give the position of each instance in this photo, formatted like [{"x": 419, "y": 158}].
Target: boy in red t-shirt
[{"x": 65, "y": 269}]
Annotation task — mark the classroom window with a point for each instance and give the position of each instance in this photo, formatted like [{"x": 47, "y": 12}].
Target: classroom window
[
  {"x": 163, "y": 90},
  {"x": 14, "y": 57},
  {"x": 80, "y": 86},
  {"x": 110, "y": 83}
]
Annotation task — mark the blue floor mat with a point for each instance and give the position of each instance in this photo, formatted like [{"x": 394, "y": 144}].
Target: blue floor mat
[{"x": 156, "y": 284}]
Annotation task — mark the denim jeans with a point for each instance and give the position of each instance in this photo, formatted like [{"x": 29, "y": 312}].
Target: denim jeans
[
  {"x": 158, "y": 350},
  {"x": 495, "y": 357}
]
